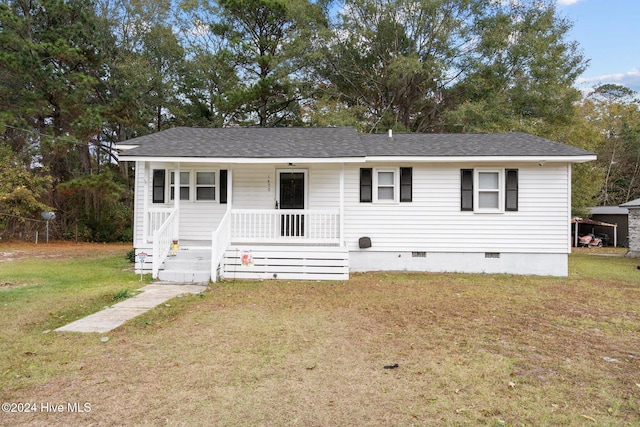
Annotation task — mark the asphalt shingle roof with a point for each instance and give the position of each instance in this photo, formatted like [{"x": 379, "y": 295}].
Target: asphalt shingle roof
[
  {"x": 631, "y": 204},
  {"x": 338, "y": 142},
  {"x": 294, "y": 142},
  {"x": 465, "y": 144}
]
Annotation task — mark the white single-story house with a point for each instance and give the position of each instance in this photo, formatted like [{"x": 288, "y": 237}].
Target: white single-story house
[
  {"x": 634, "y": 227},
  {"x": 319, "y": 203}
]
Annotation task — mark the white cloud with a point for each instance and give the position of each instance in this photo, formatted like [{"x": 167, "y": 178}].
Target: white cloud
[
  {"x": 630, "y": 79},
  {"x": 567, "y": 2}
]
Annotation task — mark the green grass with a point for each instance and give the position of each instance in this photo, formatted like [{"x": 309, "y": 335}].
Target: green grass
[
  {"x": 39, "y": 295},
  {"x": 52, "y": 293},
  {"x": 472, "y": 349}
]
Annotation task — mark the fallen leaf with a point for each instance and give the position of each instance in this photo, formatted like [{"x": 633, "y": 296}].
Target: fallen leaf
[{"x": 512, "y": 384}]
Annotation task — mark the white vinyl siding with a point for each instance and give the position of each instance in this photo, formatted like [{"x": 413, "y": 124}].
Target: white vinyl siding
[
  {"x": 433, "y": 222},
  {"x": 254, "y": 186},
  {"x": 198, "y": 219},
  {"x": 139, "y": 202}
]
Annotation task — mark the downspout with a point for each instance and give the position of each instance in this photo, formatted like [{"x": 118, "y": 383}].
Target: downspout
[{"x": 569, "y": 178}]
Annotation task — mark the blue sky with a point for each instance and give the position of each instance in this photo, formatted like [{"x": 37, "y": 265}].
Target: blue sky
[{"x": 608, "y": 32}]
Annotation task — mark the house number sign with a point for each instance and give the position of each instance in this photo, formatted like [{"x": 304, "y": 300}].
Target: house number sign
[{"x": 142, "y": 257}]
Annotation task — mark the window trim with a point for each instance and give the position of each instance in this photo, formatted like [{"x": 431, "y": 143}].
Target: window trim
[
  {"x": 477, "y": 191},
  {"x": 196, "y": 186},
  {"x": 402, "y": 190},
  {"x": 395, "y": 186},
  {"x": 172, "y": 173},
  {"x": 192, "y": 186},
  {"x": 508, "y": 190}
]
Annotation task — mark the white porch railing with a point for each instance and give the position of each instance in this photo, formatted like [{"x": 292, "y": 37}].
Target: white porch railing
[
  {"x": 285, "y": 226},
  {"x": 155, "y": 218},
  {"x": 219, "y": 241},
  {"x": 162, "y": 238}
]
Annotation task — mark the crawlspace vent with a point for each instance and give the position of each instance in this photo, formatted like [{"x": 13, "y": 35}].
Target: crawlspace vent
[
  {"x": 418, "y": 254},
  {"x": 492, "y": 254}
]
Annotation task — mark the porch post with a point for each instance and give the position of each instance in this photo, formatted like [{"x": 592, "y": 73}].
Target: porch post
[
  {"x": 145, "y": 194},
  {"x": 342, "y": 205},
  {"x": 229, "y": 189},
  {"x": 176, "y": 201}
]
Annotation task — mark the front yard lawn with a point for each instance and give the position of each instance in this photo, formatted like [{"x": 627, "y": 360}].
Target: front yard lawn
[{"x": 470, "y": 349}]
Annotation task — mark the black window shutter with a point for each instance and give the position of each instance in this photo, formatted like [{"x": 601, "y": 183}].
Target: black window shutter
[
  {"x": 158, "y": 185},
  {"x": 406, "y": 184},
  {"x": 466, "y": 189},
  {"x": 511, "y": 193},
  {"x": 223, "y": 187},
  {"x": 366, "y": 185}
]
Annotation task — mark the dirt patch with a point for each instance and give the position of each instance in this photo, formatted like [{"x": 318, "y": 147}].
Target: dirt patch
[{"x": 12, "y": 251}]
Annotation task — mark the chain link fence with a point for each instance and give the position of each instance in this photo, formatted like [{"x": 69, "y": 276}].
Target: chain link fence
[{"x": 14, "y": 227}]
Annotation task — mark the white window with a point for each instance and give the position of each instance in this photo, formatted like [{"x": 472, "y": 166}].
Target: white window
[
  {"x": 185, "y": 185},
  {"x": 488, "y": 190},
  {"x": 195, "y": 185},
  {"x": 205, "y": 185},
  {"x": 385, "y": 185}
]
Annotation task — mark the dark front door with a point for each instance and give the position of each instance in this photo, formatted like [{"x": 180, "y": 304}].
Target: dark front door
[{"x": 292, "y": 197}]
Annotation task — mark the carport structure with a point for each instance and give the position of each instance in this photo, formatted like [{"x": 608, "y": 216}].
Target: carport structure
[{"x": 576, "y": 221}]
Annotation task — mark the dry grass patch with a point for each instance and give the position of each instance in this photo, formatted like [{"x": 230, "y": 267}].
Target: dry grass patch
[{"x": 470, "y": 349}]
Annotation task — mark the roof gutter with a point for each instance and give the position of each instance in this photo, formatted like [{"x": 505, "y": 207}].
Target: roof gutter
[
  {"x": 541, "y": 160},
  {"x": 244, "y": 160}
]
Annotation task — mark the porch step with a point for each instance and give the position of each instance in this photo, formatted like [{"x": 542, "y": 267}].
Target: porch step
[
  {"x": 287, "y": 262},
  {"x": 189, "y": 265}
]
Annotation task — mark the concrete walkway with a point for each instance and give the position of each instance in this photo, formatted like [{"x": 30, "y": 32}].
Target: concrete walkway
[{"x": 114, "y": 316}]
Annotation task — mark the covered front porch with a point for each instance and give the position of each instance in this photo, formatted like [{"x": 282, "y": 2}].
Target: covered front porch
[
  {"x": 257, "y": 243},
  {"x": 265, "y": 211}
]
